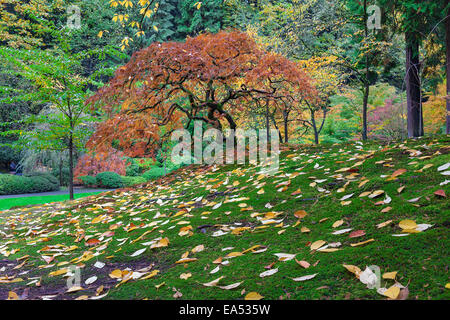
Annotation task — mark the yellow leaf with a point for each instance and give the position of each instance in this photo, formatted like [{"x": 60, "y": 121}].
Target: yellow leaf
[
  {"x": 58, "y": 272},
  {"x": 407, "y": 224},
  {"x": 74, "y": 289},
  {"x": 317, "y": 244},
  {"x": 392, "y": 292},
  {"x": 361, "y": 243},
  {"x": 161, "y": 243},
  {"x": 338, "y": 223},
  {"x": 186, "y": 260},
  {"x": 150, "y": 275},
  {"x": 390, "y": 275},
  {"x": 13, "y": 296},
  {"x": 304, "y": 229},
  {"x": 353, "y": 269},
  {"x": 116, "y": 274},
  {"x": 214, "y": 282},
  {"x": 233, "y": 254},
  {"x": 185, "y": 276},
  {"x": 198, "y": 248}
]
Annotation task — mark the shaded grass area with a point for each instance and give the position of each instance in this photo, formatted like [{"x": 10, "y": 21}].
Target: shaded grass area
[
  {"x": 6, "y": 204},
  {"x": 187, "y": 198}
]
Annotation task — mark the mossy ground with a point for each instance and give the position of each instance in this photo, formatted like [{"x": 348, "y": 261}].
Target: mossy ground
[{"x": 421, "y": 259}]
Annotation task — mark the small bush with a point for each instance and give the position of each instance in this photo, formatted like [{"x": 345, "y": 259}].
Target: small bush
[
  {"x": 11, "y": 184},
  {"x": 52, "y": 181},
  {"x": 40, "y": 184},
  {"x": 153, "y": 173},
  {"x": 133, "y": 169},
  {"x": 132, "y": 181},
  {"x": 65, "y": 175},
  {"x": 109, "y": 179},
  {"x": 88, "y": 181}
]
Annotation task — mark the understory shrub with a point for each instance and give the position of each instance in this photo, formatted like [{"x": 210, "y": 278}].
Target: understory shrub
[
  {"x": 133, "y": 169},
  {"x": 65, "y": 175},
  {"x": 11, "y": 184},
  {"x": 88, "y": 181},
  {"x": 153, "y": 173},
  {"x": 109, "y": 179},
  {"x": 51, "y": 183}
]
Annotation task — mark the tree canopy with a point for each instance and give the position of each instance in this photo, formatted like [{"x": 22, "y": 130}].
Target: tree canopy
[{"x": 206, "y": 78}]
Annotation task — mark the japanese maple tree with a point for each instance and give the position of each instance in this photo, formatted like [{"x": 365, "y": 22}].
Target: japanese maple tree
[{"x": 210, "y": 78}]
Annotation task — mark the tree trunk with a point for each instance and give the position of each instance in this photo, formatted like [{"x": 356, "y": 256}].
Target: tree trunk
[
  {"x": 365, "y": 103},
  {"x": 286, "y": 125},
  {"x": 165, "y": 172},
  {"x": 314, "y": 126},
  {"x": 60, "y": 170},
  {"x": 447, "y": 28},
  {"x": 71, "y": 167},
  {"x": 366, "y": 83},
  {"x": 267, "y": 121},
  {"x": 413, "y": 99}
]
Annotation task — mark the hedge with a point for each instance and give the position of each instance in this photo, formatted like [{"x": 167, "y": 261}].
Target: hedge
[
  {"x": 12, "y": 184},
  {"x": 88, "y": 181},
  {"x": 109, "y": 179}
]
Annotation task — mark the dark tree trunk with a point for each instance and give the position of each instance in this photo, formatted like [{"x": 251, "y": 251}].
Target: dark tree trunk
[
  {"x": 286, "y": 126},
  {"x": 60, "y": 170},
  {"x": 71, "y": 167},
  {"x": 267, "y": 121},
  {"x": 365, "y": 102},
  {"x": 413, "y": 99},
  {"x": 447, "y": 28},
  {"x": 276, "y": 128},
  {"x": 366, "y": 83},
  {"x": 314, "y": 126}
]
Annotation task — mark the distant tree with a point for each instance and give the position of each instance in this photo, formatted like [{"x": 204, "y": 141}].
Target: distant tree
[
  {"x": 93, "y": 164},
  {"x": 199, "y": 16},
  {"x": 25, "y": 24},
  {"x": 54, "y": 75},
  {"x": 417, "y": 20}
]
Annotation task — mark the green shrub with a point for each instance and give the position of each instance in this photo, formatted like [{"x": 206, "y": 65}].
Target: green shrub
[
  {"x": 88, "y": 181},
  {"x": 11, "y": 184},
  {"x": 65, "y": 175},
  {"x": 109, "y": 179},
  {"x": 133, "y": 169},
  {"x": 153, "y": 173},
  {"x": 52, "y": 182},
  {"x": 132, "y": 181},
  {"x": 40, "y": 184}
]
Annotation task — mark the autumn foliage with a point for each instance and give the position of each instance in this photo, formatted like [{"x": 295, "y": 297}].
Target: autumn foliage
[{"x": 211, "y": 78}]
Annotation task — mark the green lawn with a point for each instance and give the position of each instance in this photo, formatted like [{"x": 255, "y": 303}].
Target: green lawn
[
  {"x": 6, "y": 204},
  {"x": 229, "y": 230}
]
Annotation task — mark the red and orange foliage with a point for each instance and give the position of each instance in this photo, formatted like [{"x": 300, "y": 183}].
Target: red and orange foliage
[
  {"x": 211, "y": 78},
  {"x": 91, "y": 165}
]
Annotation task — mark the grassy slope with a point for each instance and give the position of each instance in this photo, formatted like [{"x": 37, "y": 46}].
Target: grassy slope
[
  {"x": 6, "y": 204},
  {"x": 421, "y": 259}
]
